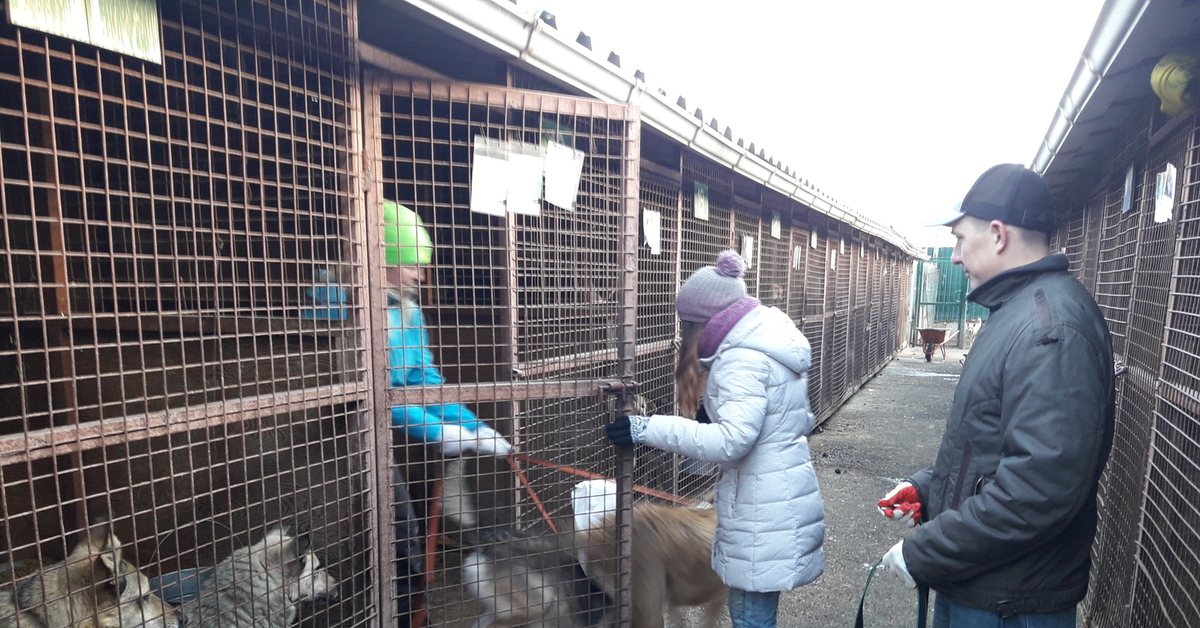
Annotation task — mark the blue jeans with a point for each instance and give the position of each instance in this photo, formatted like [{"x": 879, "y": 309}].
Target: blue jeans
[
  {"x": 950, "y": 614},
  {"x": 748, "y": 609}
]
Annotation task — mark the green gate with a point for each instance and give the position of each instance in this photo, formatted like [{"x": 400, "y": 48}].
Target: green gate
[{"x": 941, "y": 297}]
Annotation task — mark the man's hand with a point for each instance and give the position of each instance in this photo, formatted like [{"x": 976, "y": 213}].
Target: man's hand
[
  {"x": 902, "y": 504},
  {"x": 893, "y": 561}
]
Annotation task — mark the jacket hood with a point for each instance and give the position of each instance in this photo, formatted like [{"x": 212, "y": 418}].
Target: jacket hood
[{"x": 768, "y": 331}]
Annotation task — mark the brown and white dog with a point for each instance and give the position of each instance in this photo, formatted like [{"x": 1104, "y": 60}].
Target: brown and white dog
[
  {"x": 672, "y": 562},
  {"x": 569, "y": 580}
]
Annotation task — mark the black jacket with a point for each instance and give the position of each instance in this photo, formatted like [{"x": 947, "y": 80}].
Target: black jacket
[{"x": 1010, "y": 503}]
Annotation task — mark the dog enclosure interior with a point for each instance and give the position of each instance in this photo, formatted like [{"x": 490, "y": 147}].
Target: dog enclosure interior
[{"x": 171, "y": 360}]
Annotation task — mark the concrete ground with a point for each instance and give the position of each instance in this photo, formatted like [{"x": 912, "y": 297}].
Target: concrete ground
[{"x": 889, "y": 429}]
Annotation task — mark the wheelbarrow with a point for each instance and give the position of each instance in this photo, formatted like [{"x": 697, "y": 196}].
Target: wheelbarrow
[{"x": 934, "y": 339}]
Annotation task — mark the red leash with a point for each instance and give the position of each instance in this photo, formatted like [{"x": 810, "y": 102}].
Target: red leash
[{"x": 595, "y": 476}]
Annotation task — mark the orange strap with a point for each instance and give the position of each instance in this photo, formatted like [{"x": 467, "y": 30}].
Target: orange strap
[
  {"x": 421, "y": 613},
  {"x": 532, "y": 494},
  {"x": 595, "y": 476}
]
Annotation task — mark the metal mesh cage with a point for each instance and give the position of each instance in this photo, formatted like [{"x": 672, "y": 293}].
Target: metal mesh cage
[
  {"x": 165, "y": 364},
  {"x": 528, "y": 315},
  {"x": 199, "y": 310},
  {"x": 1143, "y": 283}
]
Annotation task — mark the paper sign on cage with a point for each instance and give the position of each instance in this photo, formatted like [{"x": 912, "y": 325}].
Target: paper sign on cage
[
  {"x": 489, "y": 177},
  {"x": 1164, "y": 194},
  {"x": 652, "y": 229},
  {"x": 563, "y": 168},
  {"x": 525, "y": 165},
  {"x": 748, "y": 251},
  {"x": 700, "y": 201}
]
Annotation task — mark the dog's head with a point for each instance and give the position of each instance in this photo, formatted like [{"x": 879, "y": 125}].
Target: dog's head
[
  {"x": 119, "y": 594},
  {"x": 290, "y": 559}
]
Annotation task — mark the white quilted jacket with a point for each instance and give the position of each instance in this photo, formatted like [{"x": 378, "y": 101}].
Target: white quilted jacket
[{"x": 771, "y": 521}]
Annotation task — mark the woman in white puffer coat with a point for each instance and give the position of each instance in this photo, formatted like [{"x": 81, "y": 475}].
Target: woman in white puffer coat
[{"x": 752, "y": 364}]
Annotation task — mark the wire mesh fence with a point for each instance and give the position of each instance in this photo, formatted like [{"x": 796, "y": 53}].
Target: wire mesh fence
[
  {"x": 201, "y": 318},
  {"x": 1143, "y": 269},
  {"x": 162, "y": 224}
]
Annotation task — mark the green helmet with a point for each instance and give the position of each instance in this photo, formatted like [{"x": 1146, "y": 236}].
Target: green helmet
[{"x": 405, "y": 240}]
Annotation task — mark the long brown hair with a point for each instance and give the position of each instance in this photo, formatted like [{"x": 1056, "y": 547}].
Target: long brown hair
[{"x": 689, "y": 380}]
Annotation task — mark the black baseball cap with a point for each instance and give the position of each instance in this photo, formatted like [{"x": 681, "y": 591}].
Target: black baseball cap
[{"x": 1010, "y": 193}]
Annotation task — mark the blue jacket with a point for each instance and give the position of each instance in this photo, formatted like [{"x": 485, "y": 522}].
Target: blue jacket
[{"x": 410, "y": 363}]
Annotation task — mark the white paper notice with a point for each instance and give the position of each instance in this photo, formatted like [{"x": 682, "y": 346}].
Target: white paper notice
[
  {"x": 1164, "y": 194},
  {"x": 525, "y": 179},
  {"x": 700, "y": 200},
  {"x": 748, "y": 250},
  {"x": 652, "y": 228},
  {"x": 489, "y": 177},
  {"x": 563, "y": 168},
  {"x": 776, "y": 225}
]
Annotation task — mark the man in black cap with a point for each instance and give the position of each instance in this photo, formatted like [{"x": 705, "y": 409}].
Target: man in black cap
[{"x": 1009, "y": 506}]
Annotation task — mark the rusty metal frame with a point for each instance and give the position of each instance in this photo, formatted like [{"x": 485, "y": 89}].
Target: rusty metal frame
[{"x": 542, "y": 378}]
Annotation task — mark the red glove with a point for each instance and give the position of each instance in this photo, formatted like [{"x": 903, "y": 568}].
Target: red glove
[{"x": 902, "y": 504}]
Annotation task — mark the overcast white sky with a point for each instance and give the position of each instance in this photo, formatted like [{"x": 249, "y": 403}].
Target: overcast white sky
[{"x": 893, "y": 108}]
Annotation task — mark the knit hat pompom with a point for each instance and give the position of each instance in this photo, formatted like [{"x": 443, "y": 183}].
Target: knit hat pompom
[
  {"x": 730, "y": 264},
  {"x": 712, "y": 288}
]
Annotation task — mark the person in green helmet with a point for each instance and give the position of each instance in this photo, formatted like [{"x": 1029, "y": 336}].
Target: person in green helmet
[
  {"x": 453, "y": 427},
  {"x": 407, "y": 247}
]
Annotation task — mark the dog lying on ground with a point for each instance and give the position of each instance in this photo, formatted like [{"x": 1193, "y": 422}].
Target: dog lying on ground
[
  {"x": 540, "y": 580},
  {"x": 261, "y": 585},
  {"x": 94, "y": 587}
]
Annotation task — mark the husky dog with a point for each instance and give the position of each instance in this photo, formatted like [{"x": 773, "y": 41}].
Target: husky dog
[
  {"x": 93, "y": 588},
  {"x": 520, "y": 578},
  {"x": 259, "y": 586},
  {"x": 672, "y": 561}
]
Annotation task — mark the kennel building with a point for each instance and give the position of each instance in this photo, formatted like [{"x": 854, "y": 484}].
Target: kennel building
[
  {"x": 179, "y": 207},
  {"x": 1125, "y": 167}
]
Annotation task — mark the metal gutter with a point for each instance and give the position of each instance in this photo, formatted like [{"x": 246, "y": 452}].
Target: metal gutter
[
  {"x": 498, "y": 24},
  {"x": 1117, "y": 20}
]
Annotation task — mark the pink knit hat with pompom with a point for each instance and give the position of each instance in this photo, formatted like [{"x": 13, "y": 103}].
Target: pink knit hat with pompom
[{"x": 712, "y": 288}]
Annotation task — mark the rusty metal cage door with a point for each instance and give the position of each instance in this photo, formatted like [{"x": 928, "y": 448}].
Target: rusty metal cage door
[
  {"x": 164, "y": 367},
  {"x": 530, "y": 316}
]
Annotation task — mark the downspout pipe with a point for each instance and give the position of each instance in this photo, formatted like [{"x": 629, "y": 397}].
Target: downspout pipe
[{"x": 1117, "y": 20}]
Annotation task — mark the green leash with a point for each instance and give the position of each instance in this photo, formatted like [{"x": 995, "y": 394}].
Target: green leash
[{"x": 922, "y": 600}]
